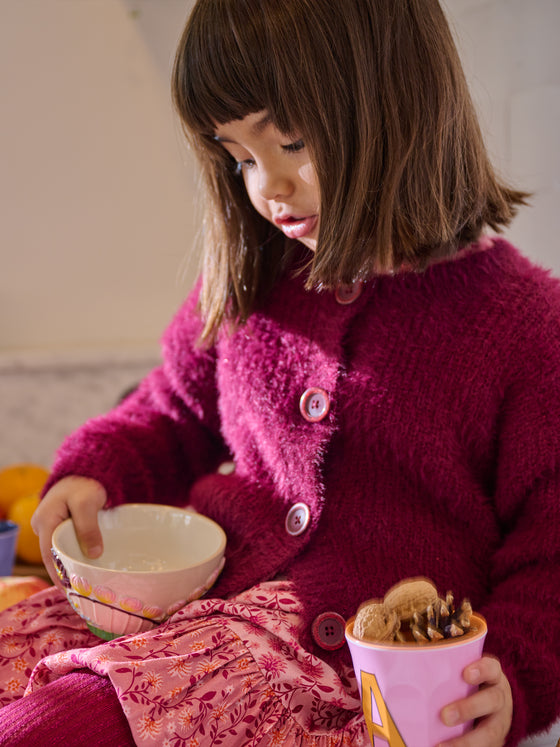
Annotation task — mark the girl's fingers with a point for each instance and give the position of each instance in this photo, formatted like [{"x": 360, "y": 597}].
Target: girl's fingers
[
  {"x": 483, "y": 703},
  {"x": 490, "y": 706},
  {"x": 84, "y": 508},
  {"x": 485, "y": 672},
  {"x": 45, "y": 544},
  {"x": 44, "y": 521},
  {"x": 490, "y": 732},
  {"x": 75, "y": 497}
]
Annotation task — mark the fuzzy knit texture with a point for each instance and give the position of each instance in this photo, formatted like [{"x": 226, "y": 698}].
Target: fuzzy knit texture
[
  {"x": 440, "y": 454},
  {"x": 78, "y": 709}
]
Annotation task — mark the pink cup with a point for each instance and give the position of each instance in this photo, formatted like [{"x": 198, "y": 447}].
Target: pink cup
[{"x": 404, "y": 686}]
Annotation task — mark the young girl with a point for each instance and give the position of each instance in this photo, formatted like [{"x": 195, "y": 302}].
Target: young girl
[{"x": 382, "y": 375}]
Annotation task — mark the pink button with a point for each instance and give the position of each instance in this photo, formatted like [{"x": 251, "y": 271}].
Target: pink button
[
  {"x": 328, "y": 631},
  {"x": 297, "y": 519},
  {"x": 346, "y": 293},
  {"x": 314, "y": 404}
]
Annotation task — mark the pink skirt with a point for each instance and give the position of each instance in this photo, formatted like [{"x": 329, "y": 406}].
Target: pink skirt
[{"x": 219, "y": 672}]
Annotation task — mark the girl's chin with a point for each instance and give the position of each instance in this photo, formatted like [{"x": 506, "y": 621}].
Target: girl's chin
[{"x": 310, "y": 243}]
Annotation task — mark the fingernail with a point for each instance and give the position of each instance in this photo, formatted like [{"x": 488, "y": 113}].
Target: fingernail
[
  {"x": 450, "y": 716},
  {"x": 95, "y": 551}
]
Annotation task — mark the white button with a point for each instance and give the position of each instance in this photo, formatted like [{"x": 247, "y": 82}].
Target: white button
[
  {"x": 346, "y": 293},
  {"x": 297, "y": 519},
  {"x": 314, "y": 404}
]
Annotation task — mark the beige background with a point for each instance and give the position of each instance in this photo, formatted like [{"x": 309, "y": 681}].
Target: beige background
[{"x": 97, "y": 191}]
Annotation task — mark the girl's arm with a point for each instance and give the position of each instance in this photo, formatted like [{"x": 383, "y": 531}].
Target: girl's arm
[
  {"x": 164, "y": 435},
  {"x": 523, "y": 606},
  {"x": 150, "y": 448}
]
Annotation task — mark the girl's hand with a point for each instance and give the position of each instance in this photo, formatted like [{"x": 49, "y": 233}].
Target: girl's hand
[
  {"x": 78, "y": 498},
  {"x": 492, "y": 705}
]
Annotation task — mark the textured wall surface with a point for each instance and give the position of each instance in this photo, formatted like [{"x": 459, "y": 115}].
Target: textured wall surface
[{"x": 43, "y": 399}]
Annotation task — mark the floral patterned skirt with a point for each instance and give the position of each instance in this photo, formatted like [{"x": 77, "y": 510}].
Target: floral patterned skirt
[{"x": 219, "y": 672}]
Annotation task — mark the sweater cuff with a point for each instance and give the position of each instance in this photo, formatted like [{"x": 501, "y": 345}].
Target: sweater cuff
[{"x": 72, "y": 463}]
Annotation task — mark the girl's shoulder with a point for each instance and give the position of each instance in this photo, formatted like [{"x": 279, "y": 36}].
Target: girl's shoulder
[
  {"x": 518, "y": 266},
  {"x": 520, "y": 285},
  {"x": 499, "y": 277},
  {"x": 524, "y": 302},
  {"x": 486, "y": 299},
  {"x": 186, "y": 324}
]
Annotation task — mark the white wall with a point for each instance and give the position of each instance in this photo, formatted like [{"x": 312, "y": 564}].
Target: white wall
[
  {"x": 96, "y": 202},
  {"x": 511, "y": 56}
]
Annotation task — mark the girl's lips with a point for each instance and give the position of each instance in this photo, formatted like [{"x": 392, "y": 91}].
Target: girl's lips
[{"x": 296, "y": 228}]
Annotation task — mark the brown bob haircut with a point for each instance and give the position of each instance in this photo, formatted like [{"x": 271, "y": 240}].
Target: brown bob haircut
[{"x": 376, "y": 90}]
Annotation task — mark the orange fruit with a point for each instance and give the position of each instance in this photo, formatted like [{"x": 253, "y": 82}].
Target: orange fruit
[
  {"x": 15, "y": 588},
  {"x": 20, "y": 512},
  {"x": 18, "y": 481}
]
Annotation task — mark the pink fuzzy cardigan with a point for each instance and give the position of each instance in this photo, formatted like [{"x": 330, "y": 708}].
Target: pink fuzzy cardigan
[{"x": 439, "y": 454}]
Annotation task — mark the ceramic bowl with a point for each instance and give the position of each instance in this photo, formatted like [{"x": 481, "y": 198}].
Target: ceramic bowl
[{"x": 155, "y": 560}]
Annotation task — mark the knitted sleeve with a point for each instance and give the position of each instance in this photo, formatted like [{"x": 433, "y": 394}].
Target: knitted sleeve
[
  {"x": 524, "y": 612},
  {"x": 152, "y": 446}
]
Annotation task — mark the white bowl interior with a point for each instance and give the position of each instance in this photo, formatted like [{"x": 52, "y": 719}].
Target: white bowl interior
[{"x": 147, "y": 538}]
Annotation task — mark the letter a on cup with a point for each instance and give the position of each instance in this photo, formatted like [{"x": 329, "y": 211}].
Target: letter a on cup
[{"x": 386, "y": 728}]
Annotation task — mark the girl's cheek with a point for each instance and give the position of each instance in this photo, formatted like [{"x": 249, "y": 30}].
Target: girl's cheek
[
  {"x": 249, "y": 187},
  {"x": 308, "y": 175},
  {"x": 253, "y": 192}
]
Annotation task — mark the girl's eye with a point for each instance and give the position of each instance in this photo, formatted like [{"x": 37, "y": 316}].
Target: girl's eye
[
  {"x": 241, "y": 166},
  {"x": 248, "y": 163},
  {"x": 294, "y": 147}
]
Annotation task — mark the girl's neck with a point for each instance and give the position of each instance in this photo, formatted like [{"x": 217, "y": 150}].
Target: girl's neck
[{"x": 482, "y": 244}]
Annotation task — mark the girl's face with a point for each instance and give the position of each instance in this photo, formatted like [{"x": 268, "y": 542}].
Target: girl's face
[{"x": 279, "y": 177}]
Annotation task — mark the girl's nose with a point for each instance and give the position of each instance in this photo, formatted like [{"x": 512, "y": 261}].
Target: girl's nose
[{"x": 273, "y": 184}]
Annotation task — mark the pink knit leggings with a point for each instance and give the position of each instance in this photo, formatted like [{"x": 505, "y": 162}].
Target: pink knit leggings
[{"x": 78, "y": 709}]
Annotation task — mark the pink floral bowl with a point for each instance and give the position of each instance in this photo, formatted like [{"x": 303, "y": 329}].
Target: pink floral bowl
[{"x": 155, "y": 560}]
